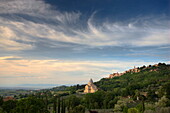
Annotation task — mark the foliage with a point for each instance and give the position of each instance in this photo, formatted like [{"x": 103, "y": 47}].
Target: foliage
[
  {"x": 78, "y": 109},
  {"x": 1, "y": 101},
  {"x": 99, "y": 99},
  {"x": 73, "y": 101},
  {"x": 150, "y": 106},
  {"x": 133, "y": 110},
  {"x": 31, "y": 105},
  {"x": 9, "y": 106},
  {"x": 159, "y": 110},
  {"x": 141, "y": 107},
  {"x": 122, "y": 104},
  {"x": 163, "y": 102}
]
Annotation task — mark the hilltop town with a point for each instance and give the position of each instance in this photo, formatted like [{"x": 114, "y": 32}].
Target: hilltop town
[{"x": 135, "y": 70}]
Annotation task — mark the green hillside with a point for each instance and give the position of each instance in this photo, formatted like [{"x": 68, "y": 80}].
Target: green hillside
[{"x": 149, "y": 78}]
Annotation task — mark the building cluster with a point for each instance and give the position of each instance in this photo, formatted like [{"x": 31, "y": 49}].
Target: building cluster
[
  {"x": 115, "y": 75},
  {"x": 134, "y": 70}
]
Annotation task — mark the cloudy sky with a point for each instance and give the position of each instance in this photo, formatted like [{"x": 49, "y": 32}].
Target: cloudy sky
[{"x": 71, "y": 41}]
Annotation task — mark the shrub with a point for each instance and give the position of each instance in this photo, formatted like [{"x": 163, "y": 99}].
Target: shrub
[{"x": 133, "y": 110}]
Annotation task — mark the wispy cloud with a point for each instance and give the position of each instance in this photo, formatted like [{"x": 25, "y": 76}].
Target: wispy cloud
[
  {"x": 31, "y": 7},
  {"x": 21, "y": 35},
  {"x": 10, "y": 58},
  {"x": 48, "y": 70},
  {"x": 34, "y": 26}
]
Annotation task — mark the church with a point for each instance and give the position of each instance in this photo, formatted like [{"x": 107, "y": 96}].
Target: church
[{"x": 90, "y": 87}]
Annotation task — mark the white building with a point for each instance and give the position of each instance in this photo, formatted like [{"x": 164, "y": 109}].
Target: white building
[{"x": 90, "y": 87}]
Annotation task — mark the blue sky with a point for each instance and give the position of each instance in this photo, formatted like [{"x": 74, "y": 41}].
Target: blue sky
[{"x": 71, "y": 41}]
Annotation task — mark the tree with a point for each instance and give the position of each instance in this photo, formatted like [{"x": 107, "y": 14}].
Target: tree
[
  {"x": 108, "y": 97},
  {"x": 137, "y": 94},
  {"x": 63, "y": 106},
  {"x": 9, "y": 105},
  {"x": 151, "y": 95},
  {"x": 125, "y": 92},
  {"x": 95, "y": 100},
  {"x": 133, "y": 110},
  {"x": 79, "y": 109},
  {"x": 1, "y": 101},
  {"x": 31, "y": 105},
  {"x": 117, "y": 108},
  {"x": 1, "y": 110},
  {"x": 125, "y": 109},
  {"x": 77, "y": 86},
  {"x": 161, "y": 92},
  {"x": 54, "y": 104},
  {"x": 46, "y": 101},
  {"x": 163, "y": 102},
  {"x": 72, "y": 102},
  {"x": 120, "y": 105},
  {"x": 166, "y": 89},
  {"x": 140, "y": 107},
  {"x": 112, "y": 102},
  {"x": 58, "y": 104}
]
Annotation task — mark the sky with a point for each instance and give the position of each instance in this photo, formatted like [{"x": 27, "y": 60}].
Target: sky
[{"x": 71, "y": 41}]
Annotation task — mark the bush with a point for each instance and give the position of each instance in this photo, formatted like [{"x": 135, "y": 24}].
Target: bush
[
  {"x": 149, "y": 106},
  {"x": 79, "y": 109},
  {"x": 163, "y": 102},
  {"x": 149, "y": 111},
  {"x": 163, "y": 110},
  {"x": 133, "y": 110}
]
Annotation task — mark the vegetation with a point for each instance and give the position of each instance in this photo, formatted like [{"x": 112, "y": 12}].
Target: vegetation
[{"x": 147, "y": 91}]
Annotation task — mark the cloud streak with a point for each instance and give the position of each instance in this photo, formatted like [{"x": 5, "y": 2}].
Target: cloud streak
[
  {"x": 50, "y": 39},
  {"x": 21, "y": 35},
  {"x": 47, "y": 70}
]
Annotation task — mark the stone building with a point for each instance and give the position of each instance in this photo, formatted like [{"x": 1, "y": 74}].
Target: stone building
[
  {"x": 90, "y": 87},
  {"x": 115, "y": 75},
  {"x": 134, "y": 70}
]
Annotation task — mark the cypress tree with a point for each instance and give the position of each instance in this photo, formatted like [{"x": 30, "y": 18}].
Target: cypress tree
[
  {"x": 143, "y": 106},
  {"x": 63, "y": 108},
  {"x": 68, "y": 106},
  {"x": 46, "y": 101},
  {"x": 54, "y": 105},
  {"x": 58, "y": 104}
]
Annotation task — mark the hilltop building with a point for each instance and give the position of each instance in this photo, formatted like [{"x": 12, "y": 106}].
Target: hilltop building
[
  {"x": 134, "y": 70},
  {"x": 115, "y": 75},
  {"x": 90, "y": 87}
]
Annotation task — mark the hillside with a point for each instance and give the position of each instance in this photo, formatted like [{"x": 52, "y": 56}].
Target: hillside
[
  {"x": 144, "y": 79},
  {"x": 151, "y": 77}
]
